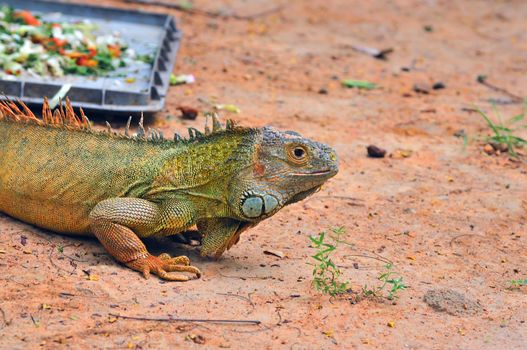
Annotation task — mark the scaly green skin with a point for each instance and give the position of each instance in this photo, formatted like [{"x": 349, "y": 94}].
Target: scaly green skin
[{"x": 120, "y": 189}]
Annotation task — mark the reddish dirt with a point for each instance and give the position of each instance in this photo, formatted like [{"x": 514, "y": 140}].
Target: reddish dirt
[{"x": 449, "y": 217}]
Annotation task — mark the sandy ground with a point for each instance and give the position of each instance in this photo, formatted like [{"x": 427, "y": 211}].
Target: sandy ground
[{"x": 451, "y": 218}]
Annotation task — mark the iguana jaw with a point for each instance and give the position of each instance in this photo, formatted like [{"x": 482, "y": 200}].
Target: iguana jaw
[
  {"x": 303, "y": 195},
  {"x": 317, "y": 173}
]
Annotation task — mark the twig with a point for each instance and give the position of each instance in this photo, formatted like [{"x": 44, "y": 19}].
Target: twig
[
  {"x": 470, "y": 110},
  {"x": 35, "y": 322},
  {"x": 240, "y": 297},
  {"x": 373, "y": 52},
  {"x": 196, "y": 320},
  {"x": 248, "y": 277},
  {"x": 4, "y": 319},
  {"x": 213, "y": 14},
  {"x": 57, "y": 266},
  {"x": 378, "y": 258},
  {"x": 483, "y": 81},
  {"x": 279, "y": 317},
  {"x": 347, "y": 198},
  {"x": 463, "y": 235}
]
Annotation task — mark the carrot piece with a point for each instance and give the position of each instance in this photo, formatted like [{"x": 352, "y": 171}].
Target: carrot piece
[{"x": 28, "y": 18}]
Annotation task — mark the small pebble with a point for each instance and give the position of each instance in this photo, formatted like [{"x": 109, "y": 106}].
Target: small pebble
[
  {"x": 439, "y": 85},
  {"x": 422, "y": 89},
  {"x": 188, "y": 112},
  {"x": 488, "y": 149},
  {"x": 501, "y": 147},
  {"x": 375, "y": 152}
]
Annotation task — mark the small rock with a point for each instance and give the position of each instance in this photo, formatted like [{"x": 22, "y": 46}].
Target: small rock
[
  {"x": 439, "y": 85},
  {"x": 501, "y": 147},
  {"x": 276, "y": 253},
  {"x": 460, "y": 133},
  {"x": 188, "y": 112},
  {"x": 323, "y": 91},
  {"x": 488, "y": 149},
  {"x": 428, "y": 110},
  {"x": 421, "y": 88},
  {"x": 375, "y": 152},
  {"x": 196, "y": 338}
]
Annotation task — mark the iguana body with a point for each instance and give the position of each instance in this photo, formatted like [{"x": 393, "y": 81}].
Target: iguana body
[{"x": 58, "y": 174}]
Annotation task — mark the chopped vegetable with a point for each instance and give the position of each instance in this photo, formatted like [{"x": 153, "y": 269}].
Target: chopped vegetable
[
  {"x": 27, "y": 18},
  {"x": 360, "y": 84},
  {"x": 228, "y": 108},
  {"x": 181, "y": 79},
  {"x": 30, "y": 44}
]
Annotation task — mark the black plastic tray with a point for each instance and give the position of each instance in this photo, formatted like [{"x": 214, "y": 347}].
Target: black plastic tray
[{"x": 146, "y": 33}]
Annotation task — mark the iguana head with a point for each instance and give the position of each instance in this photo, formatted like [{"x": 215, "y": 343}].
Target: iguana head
[{"x": 285, "y": 168}]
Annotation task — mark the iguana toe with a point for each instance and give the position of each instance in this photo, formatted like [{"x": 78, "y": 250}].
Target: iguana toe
[
  {"x": 162, "y": 265},
  {"x": 177, "y": 260}
]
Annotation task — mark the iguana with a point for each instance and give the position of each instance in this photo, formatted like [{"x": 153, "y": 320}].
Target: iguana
[{"x": 58, "y": 173}]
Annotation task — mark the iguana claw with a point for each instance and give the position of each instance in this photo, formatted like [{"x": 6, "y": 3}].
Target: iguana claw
[{"x": 162, "y": 265}]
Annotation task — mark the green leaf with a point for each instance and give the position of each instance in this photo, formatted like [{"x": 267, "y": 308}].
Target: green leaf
[
  {"x": 360, "y": 84},
  {"x": 516, "y": 119},
  {"x": 489, "y": 122}
]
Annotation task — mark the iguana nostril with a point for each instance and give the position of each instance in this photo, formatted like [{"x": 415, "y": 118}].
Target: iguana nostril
[{"x": 252, "y": 207}]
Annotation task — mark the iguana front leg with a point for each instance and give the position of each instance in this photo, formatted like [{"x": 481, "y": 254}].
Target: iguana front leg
[
  {"x": 220, "y": 234},
  {"x": 114, "y": 221}
]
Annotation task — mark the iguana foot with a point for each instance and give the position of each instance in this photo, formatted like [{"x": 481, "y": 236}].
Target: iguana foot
[{"x": 162, "y": 265}]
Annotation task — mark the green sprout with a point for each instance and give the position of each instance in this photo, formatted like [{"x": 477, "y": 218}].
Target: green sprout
[
  {"x": 325, "y": 273},
  {"x": 504, "y": 135},
  {"x": 518, "y": 283},
  {"x": 392, "y": 281}
]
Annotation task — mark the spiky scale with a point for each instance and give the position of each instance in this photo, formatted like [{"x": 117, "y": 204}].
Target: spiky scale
[
  {"x": 198, "y": 134},
  {"x": 216, "y": 125},
  {"x": 109, "y": 128},
  {"x": 195, "y": 133},
  {"x": 207, "y": 128},
  {"x": 142, "y": 131},
  {"x": 86, "y": 121},
  {"x": 155, "y": 135},
  {"x": 127, "y": 129}
]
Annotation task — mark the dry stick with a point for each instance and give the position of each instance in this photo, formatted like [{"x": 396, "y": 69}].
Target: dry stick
[
  {"x": 50, "y": 257},
  {"x": 239, "y": 297},
  {"x": 191, "y": 10},
  {"x": 5, "y": 321},
  {"x": 378, "y": 258},
  {"x": 463, "y": 235},
  {"x": 514, "y": 98},
  {"x": 352, "y": 200},
  {"x": 197, "y": 320},
  {"x": 246, "y": 277}
]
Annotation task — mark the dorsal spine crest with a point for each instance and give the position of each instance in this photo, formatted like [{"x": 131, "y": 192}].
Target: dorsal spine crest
[{"x": 64, "y": 117}]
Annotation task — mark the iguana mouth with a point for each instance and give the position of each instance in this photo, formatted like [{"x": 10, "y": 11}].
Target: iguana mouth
[{"x": 314, "y": 173}]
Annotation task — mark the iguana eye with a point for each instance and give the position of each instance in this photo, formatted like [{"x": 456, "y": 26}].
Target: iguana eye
[{"x": 297, "y": 154}]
